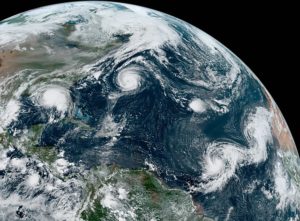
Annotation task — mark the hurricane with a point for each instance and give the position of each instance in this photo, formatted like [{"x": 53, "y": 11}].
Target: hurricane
[{"x": 111, "y": 111}]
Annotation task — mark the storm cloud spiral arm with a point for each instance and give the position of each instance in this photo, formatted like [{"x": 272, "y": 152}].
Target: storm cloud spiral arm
[{"x": 112, "y": 111}]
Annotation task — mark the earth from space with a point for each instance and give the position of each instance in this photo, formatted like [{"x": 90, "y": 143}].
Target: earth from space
[{"x": 115, "y": 112}]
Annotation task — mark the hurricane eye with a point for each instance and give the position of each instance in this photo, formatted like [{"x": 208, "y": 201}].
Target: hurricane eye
[
  {"x": 129, "y": 79},
  {"x": 197, "y": 105},
  {"x": 55, "y": 97}
]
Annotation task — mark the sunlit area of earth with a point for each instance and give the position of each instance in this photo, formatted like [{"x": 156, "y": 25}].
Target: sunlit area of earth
[{"x": 115, "y": 112}]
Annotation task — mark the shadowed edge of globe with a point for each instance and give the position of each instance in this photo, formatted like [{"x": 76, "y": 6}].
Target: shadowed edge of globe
[{"x": 280, "y": 128}]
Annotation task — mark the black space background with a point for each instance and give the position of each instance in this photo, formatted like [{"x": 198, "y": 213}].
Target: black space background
[{"x": 264, "y": 36}]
